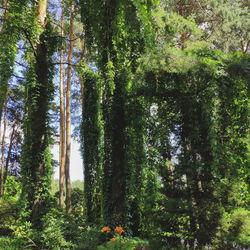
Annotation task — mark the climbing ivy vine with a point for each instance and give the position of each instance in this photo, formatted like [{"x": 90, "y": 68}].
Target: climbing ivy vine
[
  {"x": 91, "y": 147},
  {"x": 36, "y": 168},
  {"x": 200, "y": 120},
  {"x": 119, "y": 31},
  {"x": 9, "y": 36}
]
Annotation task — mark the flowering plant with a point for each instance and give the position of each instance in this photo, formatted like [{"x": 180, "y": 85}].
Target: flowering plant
[
  {"x": 106, "y": 229},
  {"x": 118, "y": 231}
]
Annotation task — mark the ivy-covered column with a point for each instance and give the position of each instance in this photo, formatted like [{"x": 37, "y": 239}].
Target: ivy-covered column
[
  {"x": 36, "y": 168},
  {"x": 135, "y": 158},
  {"x": 118, "y": 35},
  {"x": 91, "y": 148}
]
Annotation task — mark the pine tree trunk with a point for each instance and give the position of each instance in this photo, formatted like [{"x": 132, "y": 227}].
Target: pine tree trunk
[
  {"x": 41, "y": 69},
  {"x": 36, "y": 168},
  {"x": 62, "y": 120},
  {"x": 68, "y": 118},
  {"x": 5, "y": 6},
  {"x": 3, "y": 147},
  {"x": 12, "y": 137},
  {"x": 80, "y": 76}
]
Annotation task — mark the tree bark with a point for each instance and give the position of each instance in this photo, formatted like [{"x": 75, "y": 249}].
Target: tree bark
[
  {"x": 5, "y": 6},
  {"x": 62, "y": 120},
  {"x": 42, "y": 13},
  {"x": 68, "y": 118},
  {"x": 244, "y": 50},
  {"x": 36, "y": 168},
  {"x": 82, "y": 59},
  {"x": 3, "y": 147},
  {"x": 12, "y": 137},
  {"x": 39, "y": 115}
]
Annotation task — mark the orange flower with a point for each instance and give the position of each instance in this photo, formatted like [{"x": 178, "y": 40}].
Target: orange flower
[
  {"x": 106, "y": 229},
  {"x": 119, "y": 230},
  {"x": 112, "y": 239}
]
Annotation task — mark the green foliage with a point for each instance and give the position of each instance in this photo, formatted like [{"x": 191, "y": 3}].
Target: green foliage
[
  {"x": 234, "y": 229},
  {"x": 57, "y": 230},
  {"x": 8, "y": 243},
  {"x": 36, "y": 167},
  {"x": 221, "y": 23},
  {"x": 135, "y": 158},
  {"x": 119, "y": 34},
  {"x": 78, "y": 202},
  {"x": 23, "y": 235},
  {"x": 200, "y": 121},
  {"x": 91, "y": 237},
  {"x": 9, "y": 205},
  {"x": 53, "y": 234},
  {"x": 91, "y": 131},
  {"x": 124, "y": 244},
  {"x": 10, "y": 35},
  {"x": 77, "y": 184},
  {"x": 55, "y": 186},
  {"x": 163, "y": 133},
  {"x": 12, "y": 189},
  {"x": 8, "y": 215}
]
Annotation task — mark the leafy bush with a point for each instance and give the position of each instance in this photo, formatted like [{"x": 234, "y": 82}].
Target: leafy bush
[
  {"x": 77, "y": 199},
  {"x": 53, "y": 235},
  {"x": 91, "y": 238},
  {"x": 50, "y": 236},
  {"x": 7, "y": 243},
  {"x": 23, "y": 235},
  {"x": 239, "y": 229},
  {"x": 9, "y": 205},
  {"x": 235, "y": 230},
  {"x": 8, "y": 216},
  {"x": 123, "y": 243},
  {"x": 12, "y": 189}
]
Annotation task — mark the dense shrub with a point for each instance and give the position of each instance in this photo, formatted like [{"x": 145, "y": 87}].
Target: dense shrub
[
  {"x": 124, "y": 243},
  {"x": 234, "y": 230},
  {"x": 9, "y": 205},
  {"x": 91, "y": 238},
  {"x": 7, "y": 243},
  {"x": 53, "y": 236}
]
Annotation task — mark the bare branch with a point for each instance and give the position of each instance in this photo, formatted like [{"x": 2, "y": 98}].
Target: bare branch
[
  {"x": 19, "y": 77},
  {"x": 63, "y": 37},
  {"x": 58, "y": 63},
  {"x": 21, "y": 64},
  {"x": 28, "y": 38}
]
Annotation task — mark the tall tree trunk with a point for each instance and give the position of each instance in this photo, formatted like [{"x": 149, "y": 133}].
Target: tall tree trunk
[
  {"x": 5, "y": 7},
  {"x": 118, "y": 182},
  {"x": 68, "y": 122},
  {"x": 3, "y": 146},
  {"x": 12, "y": 137},
  {"x": 39, "y": 115},
  {"x": 82, "y": 60},
  {"x": 62, "y": 120},
  {"x": 42, "y": 13},
  {"x": 36, "y": 168}
]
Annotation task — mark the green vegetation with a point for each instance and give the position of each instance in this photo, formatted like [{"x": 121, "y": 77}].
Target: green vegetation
[{"x": 159, "y": 101}]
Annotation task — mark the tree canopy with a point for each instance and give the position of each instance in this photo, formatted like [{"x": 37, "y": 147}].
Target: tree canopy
[{"x": 158, "y": 94}]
